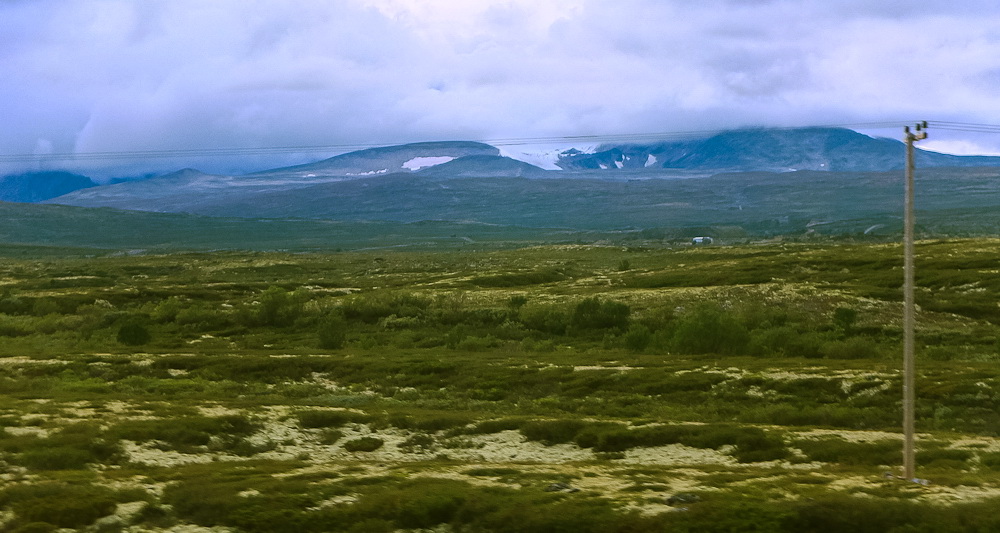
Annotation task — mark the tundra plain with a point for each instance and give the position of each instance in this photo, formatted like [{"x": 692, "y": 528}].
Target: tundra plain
[{"x": 752, "y": 387}]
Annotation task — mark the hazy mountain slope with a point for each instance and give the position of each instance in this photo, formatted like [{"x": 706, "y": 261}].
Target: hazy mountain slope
[
  {"x": 762, "y": 202},
  {"x": 485, "y": 166},
  {"x": 38, "y": 186},
  {"x": 778, "y": 150},
  {"x": 389, "y": 159},
  {"x": 180, "y": 191},
  {"x": 188, "y": 190},
  {"x": 393, "y": 211}
]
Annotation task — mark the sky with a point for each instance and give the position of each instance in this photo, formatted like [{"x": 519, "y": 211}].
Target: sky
[{"x": 127, "y": 76}]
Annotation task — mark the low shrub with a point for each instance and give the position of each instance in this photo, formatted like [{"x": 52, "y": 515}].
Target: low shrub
[
  {"x": 520, "y": 279},
  {"x": 709, "y": 329},
  {"x": 325, "y": 418},
  {"x": 330, "y": 436},
  {"x": 837, "y": 450},
  {"x": 496, "y": 425},
  {"x": 592, "y": 313},
  {"x": 546, "y": 318},
  {"x": 59, "y": 504},
  {"x": 133, "y": 333},
  {"x": 990, "y": 460},
  {"x": 185, "y": 433},
  {"x": 851, "y": 348},
  {"x": 749, "y": 444},
  {"x": 943, "y": 458},
  {"x": 637, "y": 338},
  {"x": 73, "y": 447},
  {"x": 492, "y": 472},
  {"x": 332, "y": 332},
  {"x": 420, "y": 441},
  {"x": 550, "y": 432},
  {"x": 429, "y": 422},
  {"x": 363, "y": 444}
]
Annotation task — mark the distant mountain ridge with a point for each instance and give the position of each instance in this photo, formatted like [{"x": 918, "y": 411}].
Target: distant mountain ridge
[
  {"x": 772, "y": 150},
  {"x": 40, "y": 186},
  {"x": 389, "y": 159},
  {"x": 758, "y": 150}
]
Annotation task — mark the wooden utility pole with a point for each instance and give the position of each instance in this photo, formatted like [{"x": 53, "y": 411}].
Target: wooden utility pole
[{"x": 909, "y": 319}]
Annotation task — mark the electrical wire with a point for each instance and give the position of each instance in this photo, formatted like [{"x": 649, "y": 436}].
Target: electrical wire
[{"x": 964, "y": 126}]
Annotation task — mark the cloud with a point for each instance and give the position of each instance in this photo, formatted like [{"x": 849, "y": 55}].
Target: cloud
[{"x": 117, "y": 75}]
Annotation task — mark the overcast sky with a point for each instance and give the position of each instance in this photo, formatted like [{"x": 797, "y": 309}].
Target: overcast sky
[{"x": 133, "y": 75}]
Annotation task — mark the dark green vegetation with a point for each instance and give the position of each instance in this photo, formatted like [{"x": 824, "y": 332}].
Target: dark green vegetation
[
  {"x": 557, "y": 388},
  {"x": 633, "y": 208}
]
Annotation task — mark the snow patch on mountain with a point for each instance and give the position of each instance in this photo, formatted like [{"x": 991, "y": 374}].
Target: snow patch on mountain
[
  {"x": 418, "y": 163},
  {"x": 543, "y": 156},
  {"x": 369, "y": 173}
]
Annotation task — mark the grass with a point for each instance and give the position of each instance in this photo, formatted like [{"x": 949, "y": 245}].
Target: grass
[{"x": 403, "y": 390}]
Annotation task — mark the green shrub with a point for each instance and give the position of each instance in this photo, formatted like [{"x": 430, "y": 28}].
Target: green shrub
[
  {"x": 44, "y": 306},
  {"x": 851, "y": 348},
  {"x": 990, "y": 460},
  {"x": 477, "y": 344},
  {"x": 782, "y": 340},
  {"x": 429, "y": 422},
  {"x": 844, "y": 318},
  {"x": 370, "y": 308},
  {"x": 363, "y": 444},
  {"x": 422, "y": 441},
  {"x": 519, "y": 279},
  {"x": 496, "y": 426},
  {"x": 943, "y": 458},
  {"x": 157, "y": 516},
  {"x": 11, "y": 327},
  {"x": 202, "y": 317},
  {"x": 637, "y": 338},
  {"x": 492, "y": 472},
  {"x": 754, "y": 445},
  {"x": 836, "y": 450},
  {"x": 329, "y": 419},
  {"x": 167, "y": 310},
  {"x": 133, "y": 333},
  {"x": 13, "y": 305},
  {"x": 59, "y": 504},
  {"x": 276, "y": 307},
  {"x": 56, "y": 458},
  {"x": 546, "y": 318},
  {"x": 709, "y": 329},
  {"x": 330, "y": 436},
  {"x": 73, "y": 447},
  {"x": 332, "y": 332},
  {"x": 592, "y": 313},
  {"x": 517, "y": 301},
  {"x": 940, "y": 353},
  {"x": 550, "y": 432},
  {"x": 186, "y": 433}
]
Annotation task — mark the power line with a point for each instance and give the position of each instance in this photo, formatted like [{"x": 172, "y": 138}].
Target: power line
[
  {"x": 965, "y": 126},
  {"x": 341, "y": 148}
]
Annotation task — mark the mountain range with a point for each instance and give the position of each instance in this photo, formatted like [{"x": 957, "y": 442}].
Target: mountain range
[
  {"x": 743, "y": 184},
  {"x": 775, "y": 150}
]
